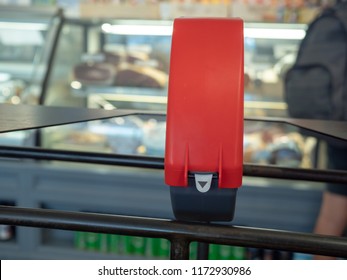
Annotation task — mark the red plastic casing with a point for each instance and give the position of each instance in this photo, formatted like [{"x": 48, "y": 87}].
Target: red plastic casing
[{"x": 205, "y": 101}]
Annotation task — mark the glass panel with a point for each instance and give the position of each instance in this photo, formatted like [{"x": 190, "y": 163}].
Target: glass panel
[
  {"x": 126, "y": 63},
  {"x": 70, "y": 47},
  {"x": 26, "y": 38},
  {"x": 264, "y": 143}
]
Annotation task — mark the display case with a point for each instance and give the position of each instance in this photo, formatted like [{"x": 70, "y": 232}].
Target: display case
[
  {"x": 124, "y": 64},
  {"x": 27, "y": 38},
  {"x": 106, "y": 60}
]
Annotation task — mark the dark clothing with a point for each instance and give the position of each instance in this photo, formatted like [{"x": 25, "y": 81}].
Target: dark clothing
[{"x": 337, "y": 159}]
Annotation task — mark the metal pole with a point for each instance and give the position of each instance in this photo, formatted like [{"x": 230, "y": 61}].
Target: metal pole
[
  {"x": 173, "y": 230},
  {"x": 83, "y": 157},
  {"x": 179, "y": 249},
  {"x": 313, "y": 175},
  {"x": 203, "y": 251}
]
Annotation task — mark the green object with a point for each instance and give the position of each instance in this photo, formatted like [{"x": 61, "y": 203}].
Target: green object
[
  {"x": 117, "y": 244},
  {"x": 122, "y": 244},
  {"x": 158, "y": 248},
  {"x": 135, "y": 245},
  {"x": 225, "y": 252},
  {"x": 92, "y": 241},
  {"x": 213, "y": 252},
  {"x": 193, "y": 250},
  {"x": 103, "y": 243},
  {"x": 165, "y": 248},
  {"x": 114, "y": 243},
  {"x": 161, "y": 247},
  {"x": 80, "y": 240},
  {"x": 239, "y": 253},
  {"x": 152, "y": 249}
]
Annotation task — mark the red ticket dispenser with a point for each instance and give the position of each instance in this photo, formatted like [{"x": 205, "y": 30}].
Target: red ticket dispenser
[{"x": 204, "y": 134}]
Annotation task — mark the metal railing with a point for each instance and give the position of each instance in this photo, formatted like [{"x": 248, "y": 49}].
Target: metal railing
[{"x": 180, "y": 234}]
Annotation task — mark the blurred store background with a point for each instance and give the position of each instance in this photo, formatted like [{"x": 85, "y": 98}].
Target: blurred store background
[{"x": 116, "y": 54}]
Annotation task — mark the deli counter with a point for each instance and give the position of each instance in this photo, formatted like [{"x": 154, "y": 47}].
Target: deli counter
[
  {"x": 56, "y": 61},
  {"x": 125, "y": 64}
]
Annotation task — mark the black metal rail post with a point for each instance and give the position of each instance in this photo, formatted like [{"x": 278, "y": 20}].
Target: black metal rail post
[
  {"x": 179, "y": 249},
  {"x": 203, "y": 251}
]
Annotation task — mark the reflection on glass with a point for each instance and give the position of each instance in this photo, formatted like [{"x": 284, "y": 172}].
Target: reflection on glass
[
  {"x": 130, "y": 59},
  {"x": 25, "y": 45},
  {"x": 264, "y": 143}
]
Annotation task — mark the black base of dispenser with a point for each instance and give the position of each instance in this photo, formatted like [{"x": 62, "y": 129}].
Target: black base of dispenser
[{"x": 189, "y": 204}]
